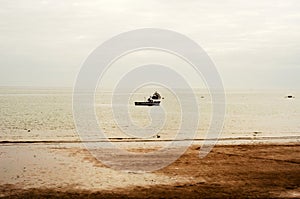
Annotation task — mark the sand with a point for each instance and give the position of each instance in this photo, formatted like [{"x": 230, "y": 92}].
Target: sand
[{"x": 68, "y": 170}]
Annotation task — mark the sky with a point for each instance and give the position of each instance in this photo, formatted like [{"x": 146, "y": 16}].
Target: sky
[{"x": 254, "y": 44}]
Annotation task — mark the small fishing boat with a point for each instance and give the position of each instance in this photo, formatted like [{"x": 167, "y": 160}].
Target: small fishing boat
[{"x": 153, "y": 100}]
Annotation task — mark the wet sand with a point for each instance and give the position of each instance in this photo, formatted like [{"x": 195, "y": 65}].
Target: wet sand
[{"x": 69, "y": 171}]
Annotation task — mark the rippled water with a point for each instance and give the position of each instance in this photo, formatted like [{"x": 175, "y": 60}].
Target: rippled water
[{"x": 46, "y": 114}]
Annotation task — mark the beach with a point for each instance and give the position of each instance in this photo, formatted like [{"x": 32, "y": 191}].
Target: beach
[
  {"x": 256, "y": 154},
  {"x": 64, "y": 170}
]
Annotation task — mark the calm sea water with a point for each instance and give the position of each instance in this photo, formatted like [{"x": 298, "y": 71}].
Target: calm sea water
[{"x": 46, "y": 114}]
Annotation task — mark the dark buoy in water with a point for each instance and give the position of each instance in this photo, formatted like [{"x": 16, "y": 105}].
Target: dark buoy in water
[{"x": 289, "y": 96}]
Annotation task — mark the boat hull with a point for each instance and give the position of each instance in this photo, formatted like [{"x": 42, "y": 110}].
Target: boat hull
[{"x": 147, "y": 103}]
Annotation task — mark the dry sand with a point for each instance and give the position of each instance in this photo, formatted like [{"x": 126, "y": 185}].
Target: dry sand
[{"x": 68, "y": 170}]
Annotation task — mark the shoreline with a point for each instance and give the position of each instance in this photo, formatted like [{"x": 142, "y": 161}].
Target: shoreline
[{"x": 296, "y": 136}]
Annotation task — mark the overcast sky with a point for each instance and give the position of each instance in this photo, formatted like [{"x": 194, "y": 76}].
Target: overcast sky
[{"x": 254, "y": 44}]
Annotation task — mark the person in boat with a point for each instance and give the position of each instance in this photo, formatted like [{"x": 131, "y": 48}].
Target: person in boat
[{"x": 156, "y": 95}]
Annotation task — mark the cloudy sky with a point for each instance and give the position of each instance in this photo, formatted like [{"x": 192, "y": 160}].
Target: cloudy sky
[{"x": 254, "y": 44}]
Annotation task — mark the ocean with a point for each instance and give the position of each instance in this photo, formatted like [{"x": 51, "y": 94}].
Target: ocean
[{"x": 45, "y": 115}]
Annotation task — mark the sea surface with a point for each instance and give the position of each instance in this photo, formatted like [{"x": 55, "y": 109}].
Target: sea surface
[{"x": 45, "y": 115}]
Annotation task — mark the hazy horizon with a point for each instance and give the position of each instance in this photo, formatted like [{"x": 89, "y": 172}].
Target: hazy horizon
[{"x": 254, "y": 45}]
